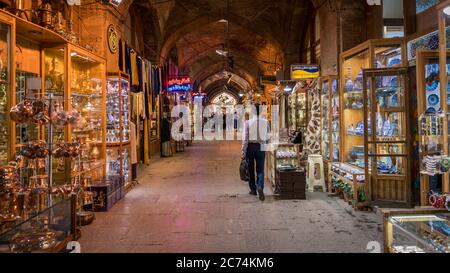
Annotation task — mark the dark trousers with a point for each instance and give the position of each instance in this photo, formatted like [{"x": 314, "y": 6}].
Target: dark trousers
[
  {"x": 133, "y": 172},
  {"x": 255, "y": 157}
]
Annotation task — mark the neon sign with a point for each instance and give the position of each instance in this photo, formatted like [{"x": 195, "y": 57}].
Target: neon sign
[{"x": 179, "y": 84}]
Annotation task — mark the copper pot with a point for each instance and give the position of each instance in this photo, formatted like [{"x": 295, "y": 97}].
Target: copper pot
[
  {"x": 21, "y": 112},
  {"x": 39, "y": 182}
]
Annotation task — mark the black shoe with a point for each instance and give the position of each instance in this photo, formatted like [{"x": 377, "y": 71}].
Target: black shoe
[
  {"x": 253, "y": 193},
  {"x": 261, "y": 194}
]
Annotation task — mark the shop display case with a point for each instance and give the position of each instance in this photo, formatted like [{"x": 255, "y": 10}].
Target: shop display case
[
  {"x": 382, "y": 53},
  {"x": 86, "y": 81},
  {"x": 7, "y": 38},
  {"x": 47, "y": 228},
  {"x": 297, "y": 111},
  {"x": 330, "y": 118},
  {"x": 118, "y": 118},
  {"x": 54, "y": 70},
  {"x": 357, "y": 113},
  {"x": 416, "y": 231},
  {"x": 348, "y": 180},
  {"x": 387, "y": 156},
  {"x": 433, "y": 124},
  {"x": 282, "y": 157}
]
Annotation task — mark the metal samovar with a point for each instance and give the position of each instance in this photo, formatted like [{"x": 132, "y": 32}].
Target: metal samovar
[{"x": 45, "y": 15}]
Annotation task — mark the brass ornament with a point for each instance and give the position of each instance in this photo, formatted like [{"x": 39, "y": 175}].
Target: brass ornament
[{"x": 113, "y": 39}]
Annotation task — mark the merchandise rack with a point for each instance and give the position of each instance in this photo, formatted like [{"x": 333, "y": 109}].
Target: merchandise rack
[{"x": 432, "y": 143}]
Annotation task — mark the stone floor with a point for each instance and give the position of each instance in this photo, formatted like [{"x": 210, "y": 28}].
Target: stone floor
[{"x": 195, "y": 202}]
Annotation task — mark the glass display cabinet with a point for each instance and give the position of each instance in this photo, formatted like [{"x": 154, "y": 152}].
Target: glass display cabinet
[
  {"x": 416, "y": 231},
  {"x": 387, "y": 156},
  {"x": 7, "y": 39},
  {"x": 86, "y": 81},
  {"x": 355, "y": 115},
  {"x": 380, "y": 53},
  {"x": 433, "y": 124},
  {"x": 118, "y": 126},
  {"x": 297, "y": 116},
  {"x": 54, "y": 70},
  {"x": 325, "y": 103},
  {"x": 330, "y": 118},
  {"x": 47, "y": 229}
]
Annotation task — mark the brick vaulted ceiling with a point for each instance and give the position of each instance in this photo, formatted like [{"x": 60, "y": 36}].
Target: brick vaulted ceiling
[{"x": 263, "y": 36}]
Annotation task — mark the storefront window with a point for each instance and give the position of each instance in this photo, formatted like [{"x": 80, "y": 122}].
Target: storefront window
[
  {"x": 86, "y": 89},
  {"x": 4, "y": 91}
]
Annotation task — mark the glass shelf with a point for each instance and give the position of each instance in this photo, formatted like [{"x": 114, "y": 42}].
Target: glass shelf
[
  {"x": 5, "y": 66},
  {"x": 420, "y": 233},
  {"x": 118, "y": 161},
  {"x": 53, "y": 216}
]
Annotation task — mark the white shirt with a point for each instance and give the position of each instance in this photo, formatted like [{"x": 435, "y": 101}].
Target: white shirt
[{"x": 254, "y": 132}]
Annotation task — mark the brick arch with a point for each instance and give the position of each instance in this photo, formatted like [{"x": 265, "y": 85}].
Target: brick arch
[{"x": 196, "y": 23}]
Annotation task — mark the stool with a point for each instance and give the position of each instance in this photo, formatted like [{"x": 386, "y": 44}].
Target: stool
[{"x": 315, "y": 173}]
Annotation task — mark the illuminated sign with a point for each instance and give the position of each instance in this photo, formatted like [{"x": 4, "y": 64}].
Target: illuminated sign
[
  {"x": 304, "y": 72},
  {"x": 179, "y": 84}
]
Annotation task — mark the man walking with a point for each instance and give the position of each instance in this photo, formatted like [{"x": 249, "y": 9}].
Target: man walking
[{"x": 255, "y": 137}]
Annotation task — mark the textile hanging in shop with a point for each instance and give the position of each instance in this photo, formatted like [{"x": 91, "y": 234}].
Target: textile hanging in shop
[
  {"x": 134, "y": 69},
  {"x": 128, "y": 62},
  {"x": 149, "y": 102},
  {"x": 134, "y": 159},
  {"x": 161, "y": 83},
  {"x": 146, "y": 101},
  {"x": 138, "y": 85},
  {"x": 122, "y": 59},
  {"x": 146, "y": 144},
  {"x": 138, "y": 110}
]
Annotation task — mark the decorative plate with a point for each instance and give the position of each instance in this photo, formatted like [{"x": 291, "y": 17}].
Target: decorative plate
[{"x": 433, "y": 100}]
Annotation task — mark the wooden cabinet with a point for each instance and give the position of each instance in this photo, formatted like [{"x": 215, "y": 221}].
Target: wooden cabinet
[{"x": 369, "y": 107}]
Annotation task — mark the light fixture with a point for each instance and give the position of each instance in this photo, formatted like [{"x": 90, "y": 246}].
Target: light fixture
[
  {"x": 223, "y": 21},
  {"x": 222, "y": 52},
  {"x": 115, "y": 2},
  {"x": 447, "y": 10},
  {"x": 72, "y": 54}
]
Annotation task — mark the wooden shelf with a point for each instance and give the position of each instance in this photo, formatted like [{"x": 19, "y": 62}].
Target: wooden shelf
[{"x": 38, "y": 33}]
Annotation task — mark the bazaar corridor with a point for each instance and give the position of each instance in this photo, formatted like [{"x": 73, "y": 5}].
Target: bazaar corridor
[{"x": 195, "y": 202}]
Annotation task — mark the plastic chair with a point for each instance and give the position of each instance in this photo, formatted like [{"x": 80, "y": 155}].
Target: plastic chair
[{"x": 315, "y": 173}]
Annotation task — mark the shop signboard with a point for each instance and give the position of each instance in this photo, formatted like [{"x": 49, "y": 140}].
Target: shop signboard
[
  {"x": 179, "y": 84},
  {"x": 268, "y": 80},
  {"x": 304, "y": 72}
]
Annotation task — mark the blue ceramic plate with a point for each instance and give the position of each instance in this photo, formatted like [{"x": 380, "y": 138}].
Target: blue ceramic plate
[
  {"x": 395, "y": 61},
  {"x": 433, "y": 86},
  {"x": 394, "y": 81},
  {"x": 433, "y": 100}
]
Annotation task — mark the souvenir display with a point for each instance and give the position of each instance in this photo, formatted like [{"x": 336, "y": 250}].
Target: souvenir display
[
  {"x": 284, "y": 157},
  {"x": 418, "y": 231},
  {"x": 118, "y": 114},
  {"x": 433, "y": 133},
  {"x": 297, "y": 117},
  {"x": 326, "y": 145},
  {"x": 87, "y": 104},
  {"x": 348, "y": 181},
  {"x": 374, "y": 132},
  {"x": 387, "y": 154}
]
